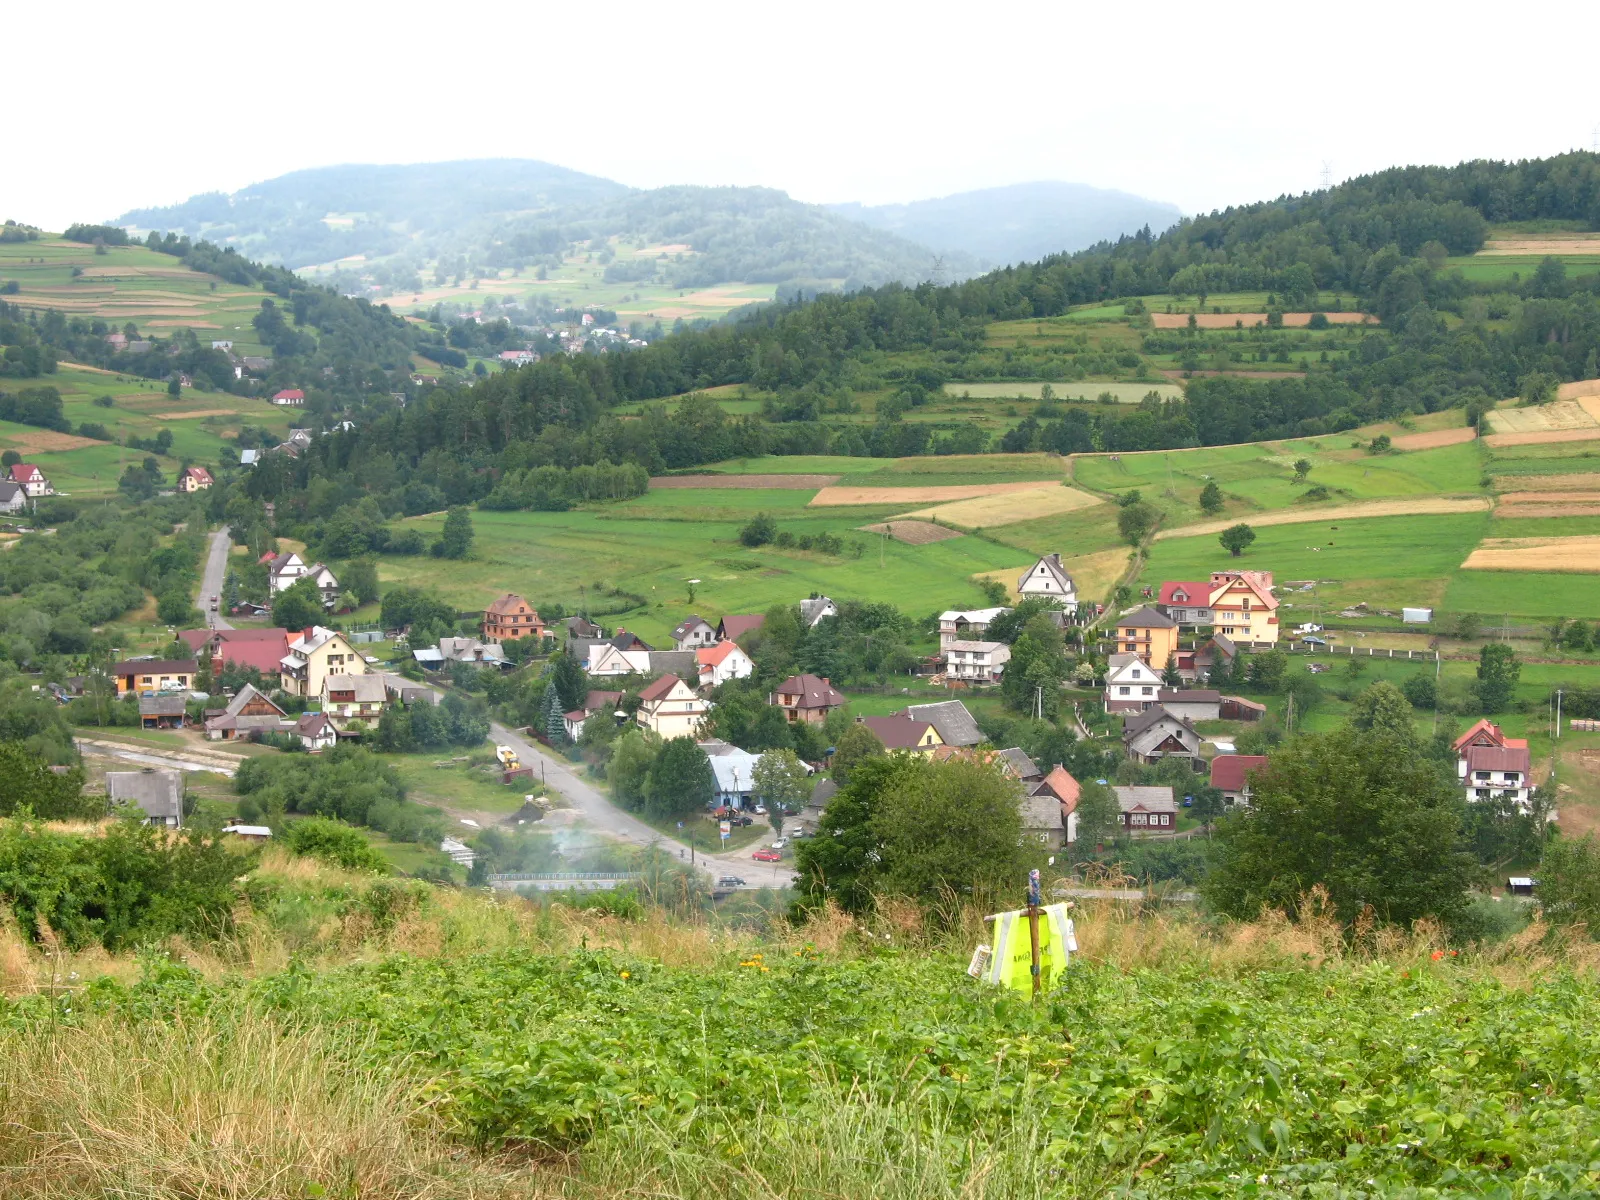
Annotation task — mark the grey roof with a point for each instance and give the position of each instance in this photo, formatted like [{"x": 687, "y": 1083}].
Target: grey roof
[
  {"x": 1146, "y": 618},
  {"x": 1190, "y": 696},
  {"x": 1223, "y": 643},
  {"x": 824, "y": 791},
  {"x": 681, "y": 663},
  {"x": 1147, "y": 730},
  {"x": 950, "y": 717},
  {"x": 1042, "y": 812},
  {"x": 580, "y": 626},
  {"x": 1139, "y": 722},
  {"x": 161, "y": 706},
  {"x": 368, "y": 689},
  {"x": 11, "y": 492},
  {"x": 1151, "y": 799},
  {"x": 812, "y": 611},
  {"x": 158, "y": 793},
  {"x": 688, "y": 625},
  {"x": 1019, "y": 762}
]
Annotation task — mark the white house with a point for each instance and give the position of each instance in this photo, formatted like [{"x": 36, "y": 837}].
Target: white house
[
  {"x": 1131, "y": 686},
  {"x": 979, "y": 662},
  {"x": 692, "y": 633},
  {"x": 965, "y": 625},
  {"x": 816, "y": 609},
  {"x": 1489, "y": 764},
  {"x": 722, "y": 662},
  {"x": 13, "y": 497},
  {"x": 1048, "y": 577},
  {"x": 289, "y": 398},
  {"x": 32, "y": 480},
  {"x": 671, "y": 708},
  {"x": 284, "y": 571},
  {"x": 316, "y": 731}
]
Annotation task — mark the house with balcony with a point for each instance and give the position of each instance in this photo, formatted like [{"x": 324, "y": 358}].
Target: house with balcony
[
  {"x": 509, "y": 618},
  {"x": 976, "y": 662},
  {"x": 1489, "y": 765},
  {"x": 1131, "y": 685},
  {"x": 314, "y": 655},
  {"x": 965, "y": 625},
  {"x": 351, "y": 699},
  {"x": 1151, "y": 635},
  {"x": 1188, "y": 604},
  {"x": 671, "y": 708},
  {"x": 805, "y": 698},
  {"x": 1243, "y": 608}
]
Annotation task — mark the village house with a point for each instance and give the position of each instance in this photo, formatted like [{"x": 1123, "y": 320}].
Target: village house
[
  {"x": 1152, "y": 635},
  {"x": 314, "y": 655},
  {"x": 1230, "y": 775},
  {"x": 1237, "y": 708},
  {"x": 13, "y": 497},
  {"x": 605, "y": 659},
  {"x": 1060, "y": 790},
  {"x": 1186, "y": 603},
  {"x": 817, "y": 608},
  {"x": 724, "y": 661},
  {"x": 976, "y": 662},
  {"x": 347, "y": 699},
  {"x": 595, "y": 701},
  {"x": 194, "y": 479},
  {"x": 289, "y": 397},
  {"x": 1043, "y": 820},
  {"x": 1218, "y": 654},
  {"x": 1147, "y": 809},
  {"x": 31, "y": 480},
  {"x": 671, "y": 708},
  {"x": 901, "y": 732},
  {"x": 462, "y": 650},
  {"x": 736, "y": 627},
  {"x": 958, "y": 625},
  {"x": 1015, "y": 762},
  {"x": 1155, "y": 734},
  {"x": 692, "y": 633},
  {"x": 509, "y": 618},
  {"x": 805, "y": 698},
  {"x": 249, "y": 458},
  {"x": 1192, "y": 704},
  {"x": 735, "y": 772},
  {"x": 582, "y": 627},
  {"x": 247, "y": 713},
  {"x": 1490, "y": 764},
  {"x": 1243, "y": 608},
  {"x": 1131, "y": 686},
  {"x": 158, "y": 794},
  {"x": 259, "y": 649},
  {"x": 141, "y": 676},
  {"x": 316, "y": 732},
  {"x": 283, "y": 571},
  {"x": 955, "y": 723},
  {"x": 1048, "y": 577},
  {"x": 161, "y": 712}
]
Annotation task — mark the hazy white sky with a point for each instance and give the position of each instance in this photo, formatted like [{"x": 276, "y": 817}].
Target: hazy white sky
[{"x": 1195, "y": 104}]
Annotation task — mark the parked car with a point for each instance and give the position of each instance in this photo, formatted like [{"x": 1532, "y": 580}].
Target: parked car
[
  {"x": 740, "y": 820},
  {"x": 1312, "y": 641},
  {"x": 767, "y": 856},
  {"x": 730, "y": 881},
  {"x": 780, "y": 843},
  {"x": 761, "y": 810}
]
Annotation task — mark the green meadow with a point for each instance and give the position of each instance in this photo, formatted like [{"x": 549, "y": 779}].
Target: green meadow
[{"x": 1088, "y": 391}]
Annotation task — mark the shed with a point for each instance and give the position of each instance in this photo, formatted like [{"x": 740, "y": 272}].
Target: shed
[
  {"x": 1416, "y": 616},
  {"x": 1521, "y": 885}
]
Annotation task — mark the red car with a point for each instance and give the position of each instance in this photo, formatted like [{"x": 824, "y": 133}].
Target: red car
[{"x": 767, "y": 856}]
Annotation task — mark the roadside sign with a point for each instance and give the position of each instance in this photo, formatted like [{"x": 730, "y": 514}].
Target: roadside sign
[{"x": 726, "y": 827}]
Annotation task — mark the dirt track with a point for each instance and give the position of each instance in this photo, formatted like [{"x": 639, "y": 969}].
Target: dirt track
[
  {"x": 833, "y": 496},
  {"x": 795, "y": 483},
  {"x": 1429, "y": 506}
]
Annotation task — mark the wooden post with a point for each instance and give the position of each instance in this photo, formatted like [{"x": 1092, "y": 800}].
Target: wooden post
[{"x": 1033, "y": 926}]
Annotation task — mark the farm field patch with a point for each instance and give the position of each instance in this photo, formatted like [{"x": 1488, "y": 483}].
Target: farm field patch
[
  {"x": 1426, "y": 505},
  {"x": 1125, "y": 393},
  {"x": 1433, "y": 439},
  {"x": 1541, "y": 437},
  {"x": 913, "y": 533},
  {"x": 1011, "y": 507},
  {"x": 838, "y": 496},
  {"x": 1579, "y": 553},
  {"x": 1574, "y": 481},
  {"x": 1249, "y": 320},
  {"x": 787, "y": 482},
  {"x": 1557, "y": 415}
]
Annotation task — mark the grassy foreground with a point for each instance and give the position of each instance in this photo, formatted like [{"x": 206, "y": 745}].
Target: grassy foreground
[{"x": 391, "y": 1041}]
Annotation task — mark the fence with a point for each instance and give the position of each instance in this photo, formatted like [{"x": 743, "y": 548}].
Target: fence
[
  {"x": 563, "y": 881},
  {"x": 1368, "y": 651}
]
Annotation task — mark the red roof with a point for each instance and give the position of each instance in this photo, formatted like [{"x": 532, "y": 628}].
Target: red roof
[
  {"x": 262, "y": 653},
  {"x": 596, "y": 700},
  {"x": 289, "y": 394},
  {"x": 735, "y": 626},
  {"x": 22, "y": 472},
  {"x": 1194, "y": 593},
  {"x": 711, "y": 656},
  {"x": 659, "y": 689},
  {"x": 1487, "y": 733},
  {"x": 1062, "y": 785},
  {"x": 1228, "y": 770},
  {"x": 1498, "y": 758},
  {"x": 199, "y": 473}
]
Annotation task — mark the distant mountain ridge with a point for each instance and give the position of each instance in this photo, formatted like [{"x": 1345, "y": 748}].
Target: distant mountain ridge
[{"x": 1021, "y": 222}]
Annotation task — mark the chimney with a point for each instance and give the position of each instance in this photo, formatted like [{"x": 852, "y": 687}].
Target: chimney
[
  {"x": 309, "y": 632},
  {"x": 825, "y": 682}
]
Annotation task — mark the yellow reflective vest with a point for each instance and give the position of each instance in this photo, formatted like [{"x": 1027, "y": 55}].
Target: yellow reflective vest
[{"x": 1011, "y": 957}]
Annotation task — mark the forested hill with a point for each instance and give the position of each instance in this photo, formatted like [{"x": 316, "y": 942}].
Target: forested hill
[{"x": 512, "y": 213}]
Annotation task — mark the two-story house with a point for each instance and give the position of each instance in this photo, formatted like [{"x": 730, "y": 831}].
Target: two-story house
[
  {"x": 1048, "y": 577},
  {"x": 815, "y": 609},
  {"x": 805, "y": 698},
  {"x": 1230, "y": 775},
  {"x": 1243, "y": 608},
  {"x": 965, "y": 625},
  {"x": 1490, "y": 764},
  {"x": 142, "y": 676},
  {"x": 724, "y": 661},
  {"x": 194, "y": 479},
  {"x": 31, "y": 480},
  {"x": 901, "y": 732},
  {"x": 671, "y": 708},
  {"x": 347, "y": 699},
  {"x": 1131, "y": 684},
  {"x": 509, "y": 618},
  {"x": 976, "y": 662},
  {"x": 1152, "y": 635},
  {"x": 952, "y": 719},
  {"x": 1146, "y": 810},
  {"x": 1155, "y": 734},
  {"x": 692, "y": 633},
  {"x": 284, "y": 571},
  {"x": 1186, "y": 603},
  {"x": 248, "y": 712},
  {"x": 314, "y": 655}
]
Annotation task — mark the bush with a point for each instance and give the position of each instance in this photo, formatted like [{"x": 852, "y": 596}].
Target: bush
[
  {"x": 334, "y": 842},
  {"x": 760, "y": 530}
]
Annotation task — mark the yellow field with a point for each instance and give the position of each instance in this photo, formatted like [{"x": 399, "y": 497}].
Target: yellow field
[
  {"x": 1577, "y": 554},
  {"x": 1093, "y": 574},
  {"x": 1557, "y": 415},
  {"x": 1008, "y": 508},
  {"x": 1344, "y": 512}
]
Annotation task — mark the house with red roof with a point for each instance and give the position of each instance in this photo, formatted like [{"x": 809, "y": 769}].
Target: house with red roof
[
  {"x": 1489, "y": 764},
  {"x": 1230, "y": 775},
  {"x": 289, "y": 398},
  {"x": 1058, "y": 790},
  {"x": 722, "y": 662},
  {"x": 736, "y": 625},
  {"x": 31, "y": 480},
  {"x": 1186, "y": 603},
  {"x": 671, "y": 708},
  {"x": 1244, "y": 609},
  {"x": 194, "y": 479}
]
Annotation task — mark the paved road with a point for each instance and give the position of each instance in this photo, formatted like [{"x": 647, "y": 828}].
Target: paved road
[
  {"x": 211, "y": 579},
  {"x": 601, "y": 815}
]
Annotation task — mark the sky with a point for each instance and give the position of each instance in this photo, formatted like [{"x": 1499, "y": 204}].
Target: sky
[{"x": 875, "y": 102}]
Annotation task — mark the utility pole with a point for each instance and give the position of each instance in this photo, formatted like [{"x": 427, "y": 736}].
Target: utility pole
[{"x": 1558, "y": 712}]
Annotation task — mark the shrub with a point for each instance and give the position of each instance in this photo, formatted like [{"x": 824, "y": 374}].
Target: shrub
[{"x": 334, "y": 842}]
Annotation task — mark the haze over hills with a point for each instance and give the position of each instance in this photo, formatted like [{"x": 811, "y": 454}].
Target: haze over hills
[{"x": 1021, "y": 222}]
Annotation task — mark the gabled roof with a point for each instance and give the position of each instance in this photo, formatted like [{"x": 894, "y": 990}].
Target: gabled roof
[
  {"x": 659, "y": 689},
  {"x": 244, "y": 697},
  {"x": 813, "y": 692},
  {"x": 1138, "y": 722},
  {"x": 1259, "y": 583},
  {"x": 1228, "y": 770},
  {"x": 1053, "y": 568},
  {"x": 368, "y": 689},
  {"x": 1220, "y": 643},
  {"x": 1122, "y": 660},
  {"x": 711, "y": 656},
  {"x": 1498, "y": 758},
  {"x": 1018, "y": 763},
  {"x": 509, "y": 603},
  {"x": 1189, "y": 696},
  {"x": 972, "y": 616},
  {"x": 596, "y": 700},
  {"x": 899, "y": 732},
  {"x": 1042, "y": 811},
  {"x": 681, "y": 663},
  {"x": 688, "y": 625},
  {"x": 1486, "y": 733},
  {"x": 22, "y": 472},
  {"x": 1198, "y": 594},
  {"x": 200, "y": 474},
  {"x": 955, "y": 724},
  {"x": 1145, "y": 799},
  {"x": 979, "y": 647},
  {"x": 623, "y": 640},
  {"x": 813, "y": 610},
  {"x": 161, "y": 706},
  {"x": 1146, "y": 618},
  {"x": 313, "y": 725},
  {"x": 736, "y": 625},
  {"x": 158, "y": 793},
  {"x": 1060, "y": 784},
  {"x": 10, "y": 491},
  {"x": 289, "y": 394}
]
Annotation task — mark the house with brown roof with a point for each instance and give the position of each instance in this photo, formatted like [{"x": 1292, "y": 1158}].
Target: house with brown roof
[
  {"x": 247, "y": 713},
  {"x": 509, "y": 618},
  {"x": 805, "y": 698},
  {"x": 737, "y": 626},
  {"x": 1230, "y": 775},
  {"x": 154, "y": 675},
  {"x": 901, "y": 732},
  {"x": 194, "y": 479},
  {"x": 1154, "y": 734},
  {"x": 1489, "y": 764},
  {"x": 671, "y": 708},
  {"x": 595, "y": 702},
  {"x": 1217, "y": 654},
  {"x": 316, "y": 731}
]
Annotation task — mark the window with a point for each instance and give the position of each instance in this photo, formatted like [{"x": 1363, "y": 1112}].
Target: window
[
  {"x": 1122, "y": 691},
  {"x": 1146, "y": 691},
  {"x": 1484, "y": 776}
]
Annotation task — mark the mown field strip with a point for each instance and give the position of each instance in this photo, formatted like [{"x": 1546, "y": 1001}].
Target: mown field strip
[
  {"x": 1426, "y": 505},
  {"x": 834, "y": 496},
  {"x": 1579, "y": 553},
  {"x": 1011, "y": 507}
]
